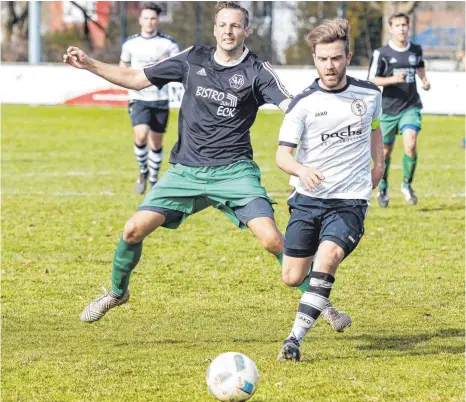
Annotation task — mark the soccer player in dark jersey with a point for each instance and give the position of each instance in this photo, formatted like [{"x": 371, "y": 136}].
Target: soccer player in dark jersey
[
  {"x": 213, "y": 158},
  {"x": 394, "y": 68}
]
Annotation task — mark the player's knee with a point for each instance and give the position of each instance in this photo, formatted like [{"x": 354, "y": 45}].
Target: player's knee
[
  {"x": 272, "y": 242},
  {"x": 131, "y": 232},
  {"x": 292, "y": 277}
]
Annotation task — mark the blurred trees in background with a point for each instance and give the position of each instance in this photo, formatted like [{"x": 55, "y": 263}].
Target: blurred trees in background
[{"x": 187, "y": 21}]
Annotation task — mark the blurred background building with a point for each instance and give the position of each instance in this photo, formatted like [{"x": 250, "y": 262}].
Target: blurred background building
[{"x": 279, "y": 28}]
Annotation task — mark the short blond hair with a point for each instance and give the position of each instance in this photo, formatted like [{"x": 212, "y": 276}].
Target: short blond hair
[
  {"x": 330, "y": 31},
  {"x": 232, "y": 5}
]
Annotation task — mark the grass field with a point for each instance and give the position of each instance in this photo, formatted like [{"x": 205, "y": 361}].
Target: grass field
[{"x": 68, "y": 178}]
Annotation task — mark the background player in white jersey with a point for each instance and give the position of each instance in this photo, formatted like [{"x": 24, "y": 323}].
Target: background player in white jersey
[
  {"x": 148, "y": 108},
  {"x": 212, "y": 160},
  {"x": 335, "y": 126},
  {"x": 394, "y": 67}
]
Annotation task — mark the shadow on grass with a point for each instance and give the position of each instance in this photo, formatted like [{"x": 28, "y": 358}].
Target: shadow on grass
[{"x": 408, "y": 342}]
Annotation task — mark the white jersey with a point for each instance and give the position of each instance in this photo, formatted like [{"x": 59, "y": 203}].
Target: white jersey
[
  {"x": 332, "y": 131},
  {"x": 141, "y": 52}
]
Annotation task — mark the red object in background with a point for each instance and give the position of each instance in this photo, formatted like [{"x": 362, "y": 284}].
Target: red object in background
[{"x": 105, "y": 97}]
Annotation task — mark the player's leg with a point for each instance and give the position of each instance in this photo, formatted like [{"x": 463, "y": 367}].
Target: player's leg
[
  {"x": 167, "y": 204},
  {"x": 410, "y": 126},
  {"x": 126, "y": 257},
  {"x": 341, "y": 227},
  {"x": 140, "y": 120},
  {"x": 158, "y": 126},
  {"x": 389, "y": 127}
]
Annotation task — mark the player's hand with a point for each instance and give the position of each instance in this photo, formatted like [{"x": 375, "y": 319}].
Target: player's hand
[
  {"x": 310, "y": 177},
  {"x": 376, "y": 175},
  {"x": 75, "y": 57},
  {"x": 425, "y": 84},
  {"x": 399, "y": 78}
]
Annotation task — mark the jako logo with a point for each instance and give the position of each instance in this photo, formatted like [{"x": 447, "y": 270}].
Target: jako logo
[
  {"x": 321, "y": 114},
  {"x": 341, "y": 135}
]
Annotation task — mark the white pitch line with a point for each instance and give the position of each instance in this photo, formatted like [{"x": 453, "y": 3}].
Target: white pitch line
[
  {"x": 112, "y": 194},
  {"x": 455, "y": 195},
  {"x": 56, "y": 174}
]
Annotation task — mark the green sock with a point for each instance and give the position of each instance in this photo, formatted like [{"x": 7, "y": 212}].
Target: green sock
[
  {"x": 303, "y": 287},
  {"x": 384, "y": 182},
  {"x": 125, "y": 259},
  {"x": 409, "y": 166},
  {"x": 279, "y": 258}
]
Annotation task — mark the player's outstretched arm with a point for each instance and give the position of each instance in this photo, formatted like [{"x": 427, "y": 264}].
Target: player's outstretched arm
[
  {"x": 286, "y": 162},
  {"x": 124, "y": 77},
  {"x": 377, "y": 157}
]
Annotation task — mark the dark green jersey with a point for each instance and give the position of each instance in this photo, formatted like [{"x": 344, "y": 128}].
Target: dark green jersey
[
  {"x": 219, "y": 105},
  {"x": 391, "y": 60}
]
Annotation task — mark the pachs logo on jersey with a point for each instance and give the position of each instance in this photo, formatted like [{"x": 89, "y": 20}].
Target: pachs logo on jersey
[
  {"x": 237, "y": 81},
  {"x": 228, "y": 102},
  {"x": 359, "y": 107},
  {"x": 412, "y": 60}
]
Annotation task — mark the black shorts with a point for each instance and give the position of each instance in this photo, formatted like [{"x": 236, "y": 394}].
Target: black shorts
[
  {"x": 314, "y": 220},
  {"x": 153, "y": 114}
]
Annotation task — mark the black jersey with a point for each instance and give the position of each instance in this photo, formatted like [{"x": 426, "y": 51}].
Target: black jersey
[
  {"x": 220, "y": 103},
  {"x": 391, "y": 60}
]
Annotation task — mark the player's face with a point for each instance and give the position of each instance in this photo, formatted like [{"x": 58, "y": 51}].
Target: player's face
[
  {"x": 331, "y": 61},
  {"x": 148, "y": 21},
  {"x": 399, "y": 29},
  {"x": 229, "y": 30}
]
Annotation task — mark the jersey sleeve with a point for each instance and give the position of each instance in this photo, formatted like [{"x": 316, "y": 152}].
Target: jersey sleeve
[
  {"x": 174, "y": 49},
  {"x": 420, "y": 63},
  {"x": 378, "y": 106},
  {"x": 268, "y": 88},
  {"x": 125, "y": 53},
  {"x": 377, "y": 67},
  {"x": 172, "y": 69},
  {"x": 293, "y": 127}
]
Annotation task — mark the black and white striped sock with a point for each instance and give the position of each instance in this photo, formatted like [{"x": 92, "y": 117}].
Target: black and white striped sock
[
  {"x": 312, "y": 302},
  {"x": 155, "y": 162},
  {"x": 141, "y": 152}
]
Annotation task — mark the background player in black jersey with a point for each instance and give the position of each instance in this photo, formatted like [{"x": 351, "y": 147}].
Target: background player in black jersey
[
  {"x": 394, "y": 67},
  {"x": 212, "y": 160},
  {"x": 148, "y": 109}
]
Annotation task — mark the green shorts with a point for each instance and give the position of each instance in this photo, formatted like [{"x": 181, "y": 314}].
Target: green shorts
[
  {"x": 190, "y": 189},
  {"x": 391, "y": 125}
]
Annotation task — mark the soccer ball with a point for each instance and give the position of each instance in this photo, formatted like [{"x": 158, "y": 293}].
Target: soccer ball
[{"x": 232, "y": 377}]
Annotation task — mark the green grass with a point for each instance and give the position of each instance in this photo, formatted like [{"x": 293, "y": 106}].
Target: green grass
[{"x": 68, "y": 178}]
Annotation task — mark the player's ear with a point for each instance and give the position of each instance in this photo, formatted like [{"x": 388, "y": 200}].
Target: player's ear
[
  {"x": 314, "y": 57},
  {"x": 348, "y": 58},
  {"x": 246, "y": 32}
]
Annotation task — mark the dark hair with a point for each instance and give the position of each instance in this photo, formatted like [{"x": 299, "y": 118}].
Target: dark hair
[
  {"x": 233, "y": 5},
  {"x": 398, "y": 15},
  {"x": 151, "y": 6},
  {"x": 330, "y": 31}
]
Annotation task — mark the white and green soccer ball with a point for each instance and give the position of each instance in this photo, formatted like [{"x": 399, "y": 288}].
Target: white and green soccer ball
[{"x": 232, "y": 377}]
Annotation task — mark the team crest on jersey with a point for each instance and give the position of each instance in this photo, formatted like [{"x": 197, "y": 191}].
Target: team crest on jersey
[
  {"x": 359, "y": 107},
  {"x": 237, "y": 81},
  {"x": 412, "y": 60}
]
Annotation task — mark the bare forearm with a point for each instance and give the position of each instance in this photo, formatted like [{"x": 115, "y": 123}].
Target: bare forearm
[
  {"x": 286, "y": 162},
  {"x": 421, "y": 72},
  {"x": 377, "y": 148},
  {"x": 122, "y": 76}
]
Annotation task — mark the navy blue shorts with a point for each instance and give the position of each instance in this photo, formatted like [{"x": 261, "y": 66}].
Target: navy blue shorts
[
  {"x": 149, "y": 113},
  {"x": 314, "y": 220}
]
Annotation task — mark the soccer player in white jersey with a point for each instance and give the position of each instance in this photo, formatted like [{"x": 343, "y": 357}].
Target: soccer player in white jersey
[
  {"x": 212, "y": 160},
  {"x": 334, "y": 124},
  {"x": 148, "y": 108}
]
